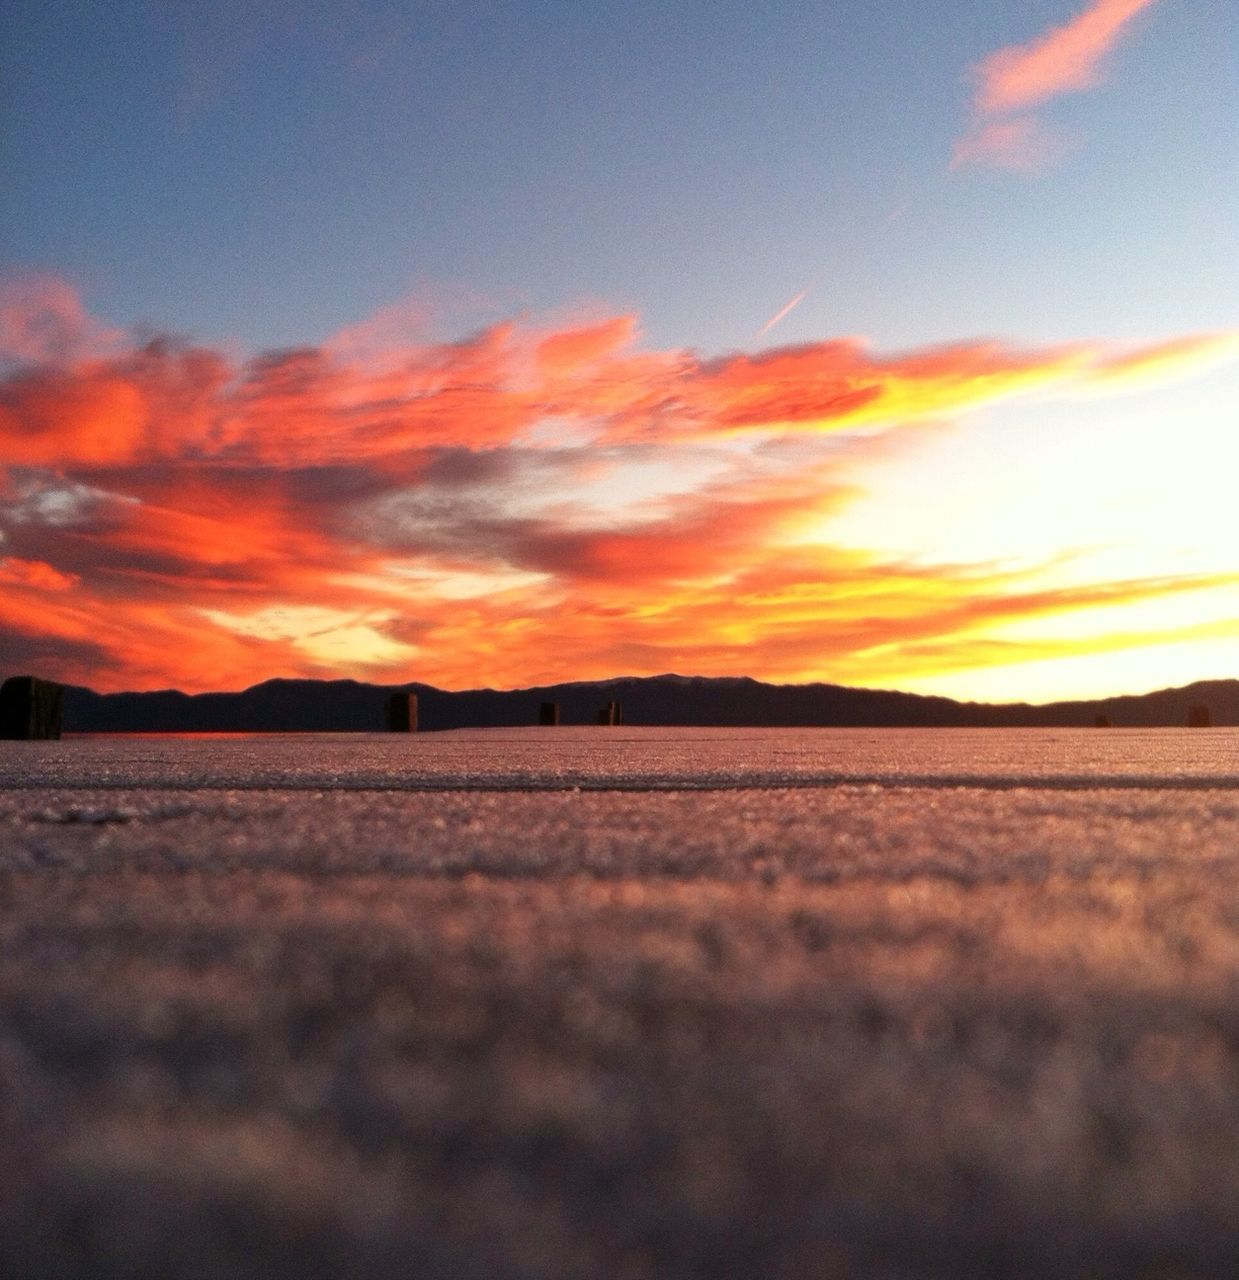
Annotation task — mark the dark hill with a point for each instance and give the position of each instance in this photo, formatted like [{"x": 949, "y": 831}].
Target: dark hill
[{"x": 347, "y": 705}]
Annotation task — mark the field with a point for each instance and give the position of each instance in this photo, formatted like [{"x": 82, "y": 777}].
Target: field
[{"x": 619, "y": 1002}]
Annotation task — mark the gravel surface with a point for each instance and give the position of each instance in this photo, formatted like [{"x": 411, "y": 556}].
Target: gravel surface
[
  {"x": 636, "y": 759},
  {"x": 635, "y": 1003}
]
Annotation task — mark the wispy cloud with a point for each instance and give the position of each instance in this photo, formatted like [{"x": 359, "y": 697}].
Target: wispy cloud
[
  {"x": 1022, "y": 145},
  {"x": 42, "y": 320},
  {"x": 1012, "y": 80},
  {"x": 527, "y": 503}
]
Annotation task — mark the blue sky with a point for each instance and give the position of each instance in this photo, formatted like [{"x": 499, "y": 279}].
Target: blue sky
[{"x": 267, "y": 172}]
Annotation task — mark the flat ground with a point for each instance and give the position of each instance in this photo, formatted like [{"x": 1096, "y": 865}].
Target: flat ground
[{"x": 622, "y": 1003}]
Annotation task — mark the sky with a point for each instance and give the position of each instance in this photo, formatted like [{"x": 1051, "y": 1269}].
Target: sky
[{"x": 498, "y": 344}]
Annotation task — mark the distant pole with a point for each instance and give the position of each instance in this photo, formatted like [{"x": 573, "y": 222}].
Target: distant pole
[
  {"x": 1198, "y": 717},
  {"x": 30, "y": 709},
  {"x": 610, "y": 714},
  {"x": 548, "y": 713},
  {"x": 619, "y": 713},
  {"x": 402, "y": 713}
]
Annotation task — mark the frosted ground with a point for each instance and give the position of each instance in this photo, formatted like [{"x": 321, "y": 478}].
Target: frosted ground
[{"x": 623, "y": 1003}]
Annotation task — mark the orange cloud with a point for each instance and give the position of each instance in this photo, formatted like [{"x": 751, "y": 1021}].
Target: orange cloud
[
  {"x": 1065, "y": 59},
  {"x": 315, "y": 406},
  {"x": 171, "y": 516},
  {"x": 35, "y": 573},
  {"x": 564, "y": 353},
  {"x": 1167, "y": 360},
  {"x": 1012, "y": 80},
  {"x": 786, "y": 618}
]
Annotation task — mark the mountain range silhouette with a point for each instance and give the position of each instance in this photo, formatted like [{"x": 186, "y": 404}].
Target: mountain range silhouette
[{"x": 351, "y": 706}]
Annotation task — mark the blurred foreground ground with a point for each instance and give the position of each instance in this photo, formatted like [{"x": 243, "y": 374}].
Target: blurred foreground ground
[{"x": 623, "y": 1003}]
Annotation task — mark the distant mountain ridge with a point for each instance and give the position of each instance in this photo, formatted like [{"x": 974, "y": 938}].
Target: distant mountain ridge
[{"x": 351, "y": 706}]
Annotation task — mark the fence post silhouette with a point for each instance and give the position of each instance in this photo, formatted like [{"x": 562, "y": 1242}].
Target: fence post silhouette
[
  {"x": 548, "y": 713},
  {"x": 402, "y": 713},
  {"x": 30, "y": 709}
]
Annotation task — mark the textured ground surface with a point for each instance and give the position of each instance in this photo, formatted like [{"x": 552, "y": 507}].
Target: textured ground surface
[{"x": 578, "y": 1003}]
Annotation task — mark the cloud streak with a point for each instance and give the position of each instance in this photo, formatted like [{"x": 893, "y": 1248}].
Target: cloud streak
[
  {"x": 525, "y": 504},
  {"x": 782, "y": 313}
]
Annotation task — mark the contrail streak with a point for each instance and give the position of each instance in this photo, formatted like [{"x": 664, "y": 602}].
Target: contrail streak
[{"x": 783, "y": 314}]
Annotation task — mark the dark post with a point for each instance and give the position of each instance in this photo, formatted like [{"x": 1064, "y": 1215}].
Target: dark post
[
  {"x": 548, "y": 713},
  {"x": 1198, "y": 717},
  {"x": 30, "y": 708},
  {"x": 402, "y": 713},
  {"x": 619, "y": 713}
]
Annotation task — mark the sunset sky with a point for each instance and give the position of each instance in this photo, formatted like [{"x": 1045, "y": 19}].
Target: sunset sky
[{"x": 508, "y": 343}]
